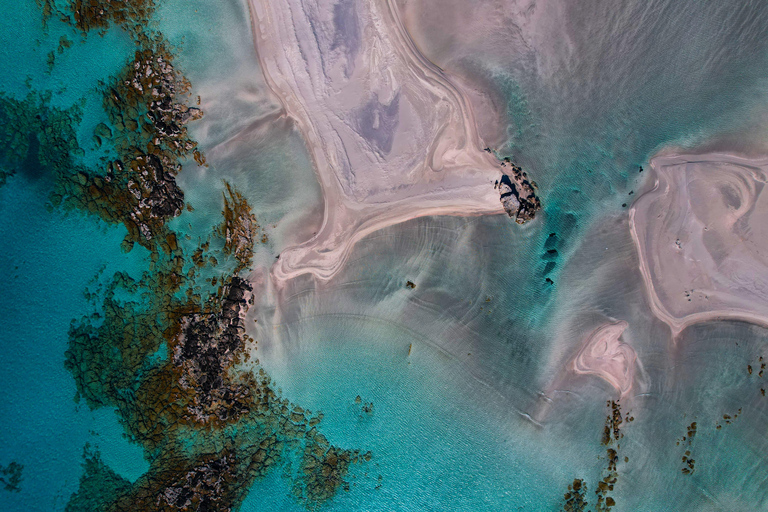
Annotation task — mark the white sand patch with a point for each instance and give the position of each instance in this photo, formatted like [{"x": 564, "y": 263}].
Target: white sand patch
[{"x": 604, "y": 354}]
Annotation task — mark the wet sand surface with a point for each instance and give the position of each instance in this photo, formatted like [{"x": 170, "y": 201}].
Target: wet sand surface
[
  {"x": 702, "y": 240},
  {"x": 390, "y": 136}
]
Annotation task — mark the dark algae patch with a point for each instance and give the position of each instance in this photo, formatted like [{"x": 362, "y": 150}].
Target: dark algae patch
[
  {"x": 165, "y": 346},
  {"x": 97, "y": 480},
  {"x": 37, "y": 140},
  {"x": 10, "y": 476},
  {"x": 576, "y": 499}
]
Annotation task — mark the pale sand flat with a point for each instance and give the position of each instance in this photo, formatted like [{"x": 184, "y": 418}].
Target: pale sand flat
[
  {"x": 391, "y": 137},
  {"x": 605, "y": 355},
  {"x": 702, "y": 238}
]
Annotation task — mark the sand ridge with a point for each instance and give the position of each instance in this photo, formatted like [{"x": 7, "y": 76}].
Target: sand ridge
[
  {"x": 390, "y": 136},
  {"x": 702, "y": 241}
]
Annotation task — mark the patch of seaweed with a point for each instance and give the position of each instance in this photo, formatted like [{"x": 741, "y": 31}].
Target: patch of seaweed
[
  {"x": 133, "y": 15},
  {"x": 146, "y": 107},
  {"x": 37, "y": 140},
  {"x": 10, "y": 476}
]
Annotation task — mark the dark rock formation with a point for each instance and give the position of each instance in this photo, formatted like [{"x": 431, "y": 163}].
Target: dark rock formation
[
  {"x": 518, "y": 194},
  {"x": 10, "y": 476},
  {"x": 206, "y": 349}
]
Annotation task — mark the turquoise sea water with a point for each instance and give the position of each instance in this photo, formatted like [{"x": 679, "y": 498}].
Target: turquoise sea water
[
  {"x": 48, "y": 262},
  {"x": 462, "y": 373}
]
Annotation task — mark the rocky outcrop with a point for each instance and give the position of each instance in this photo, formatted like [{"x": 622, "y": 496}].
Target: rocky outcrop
[
  {"x": 206, "y": 350},
  {"x": 517, "y": 194}
]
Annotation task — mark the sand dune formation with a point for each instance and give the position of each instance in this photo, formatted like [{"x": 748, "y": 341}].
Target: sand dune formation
[{"x": 604, "y": 354}]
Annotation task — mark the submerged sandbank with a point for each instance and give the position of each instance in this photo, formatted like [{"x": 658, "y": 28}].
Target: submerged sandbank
[
  {"x": 391, "y": 137},
  {"x": 702, "y": 241}
]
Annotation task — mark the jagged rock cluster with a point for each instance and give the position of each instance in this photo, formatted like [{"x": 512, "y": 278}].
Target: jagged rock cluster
[
  {"x": 206, "y": 349},
  {"x": 518, "y": 194},
  {"x": 204, "y": 487},
  {"x": 145, "y": 107}
]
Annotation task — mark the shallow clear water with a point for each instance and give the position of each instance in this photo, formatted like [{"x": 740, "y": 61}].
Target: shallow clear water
[{"x": 472, "y": 407}]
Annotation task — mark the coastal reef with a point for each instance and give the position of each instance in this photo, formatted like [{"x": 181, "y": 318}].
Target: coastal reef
[
  {"x": 147, "y": 110},
  {"x": 165, "y": 345},
  {"x": 210, "y": 425}
]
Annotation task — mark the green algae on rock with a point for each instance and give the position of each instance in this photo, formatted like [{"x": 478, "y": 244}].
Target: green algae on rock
[
  {"x": 36, "y": 139},
  {"x": 145, "y": 105}
]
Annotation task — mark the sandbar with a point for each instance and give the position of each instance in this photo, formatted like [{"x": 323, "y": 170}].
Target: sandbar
[
  {"x": 605, "y": 355},
  {"x": 391, "y": 137},
  {"x": 702, "y": 239}
]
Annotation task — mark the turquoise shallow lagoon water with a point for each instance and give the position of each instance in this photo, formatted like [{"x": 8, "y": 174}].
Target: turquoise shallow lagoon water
[
  {"x": 48, "y": 261},
  {"x": 463, "y": 375}
]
